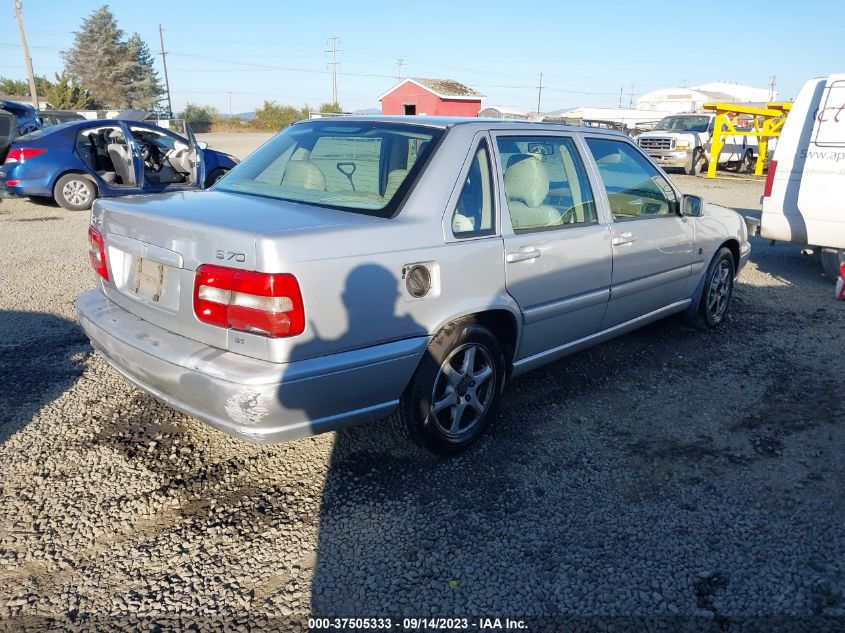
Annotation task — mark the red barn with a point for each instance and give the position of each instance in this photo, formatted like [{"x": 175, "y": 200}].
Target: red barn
[{"x": 435, "y": 97}]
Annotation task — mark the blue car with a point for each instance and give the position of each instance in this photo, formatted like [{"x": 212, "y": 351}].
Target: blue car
[{"x": 76, "y": 162}]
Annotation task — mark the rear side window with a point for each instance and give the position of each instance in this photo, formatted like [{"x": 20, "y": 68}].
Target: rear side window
[
  {"x": 354, "y": 166},
  {"x": 473, "y": 215},
  {"x": 635, "y": 189},
  {"x": 830, "y": 120},
  {"x": 545, "y": 183}
]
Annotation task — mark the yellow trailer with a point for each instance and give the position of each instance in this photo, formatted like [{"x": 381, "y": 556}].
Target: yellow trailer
[{"x": 767, "y": 123}]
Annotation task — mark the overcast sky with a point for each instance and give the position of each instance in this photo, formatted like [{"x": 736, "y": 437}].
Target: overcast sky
[{"x": 586, "y": 51}]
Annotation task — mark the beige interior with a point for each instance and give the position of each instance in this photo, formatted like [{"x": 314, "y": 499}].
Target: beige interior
[
  {"x": 303, "y": 174},
  {"x": 526, "y": 188}
]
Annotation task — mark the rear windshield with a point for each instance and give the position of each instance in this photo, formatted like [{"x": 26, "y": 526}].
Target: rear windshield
[{"x": 354, "y": 166}]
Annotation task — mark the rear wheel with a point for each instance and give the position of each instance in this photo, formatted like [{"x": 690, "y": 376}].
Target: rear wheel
[
  {"x": 717, "y": 292},
  {"x": 75, "y": 192},
  {"x": 746, "y": 165},
  {"x": 455, "y": 392},
  {"x": 831, "y": 260}
]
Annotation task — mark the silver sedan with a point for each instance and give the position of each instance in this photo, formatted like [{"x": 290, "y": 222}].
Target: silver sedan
[{"x": 356, "y": 268}]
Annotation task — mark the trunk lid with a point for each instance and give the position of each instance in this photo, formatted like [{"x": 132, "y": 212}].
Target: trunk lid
[{"x": 154, "y": 245}]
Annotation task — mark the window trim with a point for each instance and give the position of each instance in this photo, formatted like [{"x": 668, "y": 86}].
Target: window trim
[
  {"x": 579, "y": 151},
  {"x": 674, "y": 208}
]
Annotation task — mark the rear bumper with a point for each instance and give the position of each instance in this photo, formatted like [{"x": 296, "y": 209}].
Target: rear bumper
[{"x": 253, "y": 399}]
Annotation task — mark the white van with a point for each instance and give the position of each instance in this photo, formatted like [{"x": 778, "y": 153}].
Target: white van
[{"x": 804, "y": 198}]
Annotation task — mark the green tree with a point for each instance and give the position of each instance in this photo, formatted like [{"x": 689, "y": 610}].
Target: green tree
[
  {"x": 143, "y": 87},
  {"x": 275, "y": 116},
  {"x": 66, "y": 94},
  {"x": 118, "y": 73},
  {"x": 20, "y": 87},
  {"x": 97, "y": 59},
  {"x": 199, "y": 115},
  {"x": 331, "y": 108}
]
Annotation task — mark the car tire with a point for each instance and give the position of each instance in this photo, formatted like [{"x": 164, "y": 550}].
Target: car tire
[
  {"x": 75, "y": 192},
  {"x": 455, "y": 392},
  {"x": 697, "y": 163},
  {"x": 831, "y": 259},
  {"x": 214, "y": 176},
  {"x": 716, "y": 294},
  {"x": 746, "y": 165}
]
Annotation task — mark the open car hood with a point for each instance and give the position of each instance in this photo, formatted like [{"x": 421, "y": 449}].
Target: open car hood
[{"x": 133, "y": 115}]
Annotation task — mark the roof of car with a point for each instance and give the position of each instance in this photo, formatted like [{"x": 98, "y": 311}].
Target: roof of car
[{"x": 444, "y": 122}]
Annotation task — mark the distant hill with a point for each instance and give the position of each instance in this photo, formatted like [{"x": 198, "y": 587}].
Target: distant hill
[
  {"x": 246, "y": 116},
  {"x": 368, "y": 111}
]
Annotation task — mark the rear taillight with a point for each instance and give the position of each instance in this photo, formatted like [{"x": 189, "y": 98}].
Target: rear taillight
[
  {"x": 20, "y": 154},
  {"x": 97, "y": 252},
  {"x": 770, "y": 178},
  {"x": 260, "y": 303}
]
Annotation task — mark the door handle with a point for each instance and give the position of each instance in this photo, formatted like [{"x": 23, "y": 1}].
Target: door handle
[
  {"x": 623, "y": 238},
  {"x": 523, "y": 255}
]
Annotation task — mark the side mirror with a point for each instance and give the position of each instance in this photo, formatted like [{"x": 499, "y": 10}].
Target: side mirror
[
  {"x": 692, "y": 206},
  {"x": 202, "y": 145}
]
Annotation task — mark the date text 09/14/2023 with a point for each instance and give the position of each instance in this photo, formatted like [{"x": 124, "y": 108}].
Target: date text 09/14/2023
[{"x": 415, "y": 624}]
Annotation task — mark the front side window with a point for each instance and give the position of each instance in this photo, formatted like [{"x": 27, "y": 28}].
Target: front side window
[
  {"x": 635, "y": 189},
  {"x": 545, "y": 183},
  {"x": 473, "y": 215},
  {"x": 354, "y": 166}
]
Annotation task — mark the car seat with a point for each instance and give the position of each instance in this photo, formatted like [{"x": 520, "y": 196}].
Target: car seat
[
  {"x": 303, "y": 174},
  {"x": 526, "y": 188},
  {"x": 122, "y": 160}
]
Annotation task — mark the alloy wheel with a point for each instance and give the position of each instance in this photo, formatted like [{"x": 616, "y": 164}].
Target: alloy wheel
[
  {"x": 719, "y": 291},
  {"x": 463, "y": 389}
]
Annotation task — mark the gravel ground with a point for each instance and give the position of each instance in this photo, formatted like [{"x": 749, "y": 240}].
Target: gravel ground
[{"x": 669, "y": 473}]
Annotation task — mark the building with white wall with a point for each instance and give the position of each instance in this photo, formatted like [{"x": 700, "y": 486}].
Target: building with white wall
[{"x": 690, "y": 99}]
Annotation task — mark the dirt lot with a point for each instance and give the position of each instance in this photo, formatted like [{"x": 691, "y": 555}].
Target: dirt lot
[{"x": 667, "y": 474}]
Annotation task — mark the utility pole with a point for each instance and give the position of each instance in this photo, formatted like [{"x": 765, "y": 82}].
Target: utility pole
[
  {"x": 773, "y": 87},
  {"x": 164, "y": 63},
  {"x": 334, "y": 64},
  {"x": 631, "y": 95},
  {"x": 230, "y": 106},
  {"x": 539, "y": 92},
  {"x": 31, "y": 76},
  {"x": 621, "y": 89},
  {"x": 400, "y": 61}
]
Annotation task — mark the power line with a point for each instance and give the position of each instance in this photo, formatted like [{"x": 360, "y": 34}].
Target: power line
[
  {"x": 166, "y": 80},
  {"x": 399, "y": 62},
  {"x": 334, "y": 64}
]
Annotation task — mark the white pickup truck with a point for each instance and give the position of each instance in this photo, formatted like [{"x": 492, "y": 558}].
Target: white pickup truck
[{"x": 683, "y": 141}]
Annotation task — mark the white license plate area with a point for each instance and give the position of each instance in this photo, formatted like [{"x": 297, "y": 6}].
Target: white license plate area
[{"x": 149, "y": 280}]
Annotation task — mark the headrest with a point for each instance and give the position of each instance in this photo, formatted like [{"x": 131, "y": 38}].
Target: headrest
[
  {"x": 305, "y": 175},
  {"x": 526, "y": 180},
  {"x": 394, "y": 180}
]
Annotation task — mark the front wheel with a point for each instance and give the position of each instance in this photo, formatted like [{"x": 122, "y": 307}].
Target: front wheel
[
  {"x": 717, "y": 292},
  {"x": 455, "y": 392},
  {"x": 214, "y": 176},
  {"x": 696, "y": 164},
  {"x": 75, "y": 192}
]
